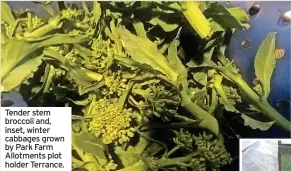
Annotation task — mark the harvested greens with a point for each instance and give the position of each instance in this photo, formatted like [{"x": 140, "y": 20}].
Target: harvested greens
[{"x": 140, "y": 99}]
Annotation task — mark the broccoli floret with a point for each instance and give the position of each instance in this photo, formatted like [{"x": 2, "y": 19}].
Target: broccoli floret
[
  {"x": 101, "y": 47},
  {"x": 184, "y": 139},
  {"x": 115, "y": 84},
  {"x": 198, "y": 163},
  {"x": 110, "y": 166},
  {"x": 33, "y": 22},
  {"x": 53, "y": 23},
  {"x": 211, "y": 150},
  {"x": 110, "y": 123},
  {"x": 71, "y": 13},
  {"x": 59, "y": 49},
  {"x": 75, "y": 32},
  {"x": 232, "y": 95},
  {"x": 158, "y": 100},
  {"x": 71, "y": 56}
]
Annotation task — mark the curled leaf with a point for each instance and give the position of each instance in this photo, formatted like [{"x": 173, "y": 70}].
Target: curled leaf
[{"x": 255, "y": 124}]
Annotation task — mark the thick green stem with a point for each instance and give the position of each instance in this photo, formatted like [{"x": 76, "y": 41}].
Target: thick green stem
[
  {"x": 262, "y": 105},
  {"x": 173, "y": 150},
  {"x": 175, "y": 161},
  {"x": 208, "y": 121},
  {"x": 214, "y": 102}
]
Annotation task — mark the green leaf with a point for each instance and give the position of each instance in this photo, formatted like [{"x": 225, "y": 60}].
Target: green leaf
[
  {"x": 153, "y": 149},
  {"x": 200, "y": 77},
  {"x": 93, "y": 87},
  {"x": 96, "y": 11},
  {"x": 114, "y": 35},
  {"x": 16, "y": 67},
  {"x": 224, "y": 18},
  {"x": 144, "y": 51},
  {"x": 174, "y": 61},
  {"x": 12, "y": 29},
  {"x": 83, "y": 52},
  {"x": 89, "y": 143},
  {"x": 239, "y": 14},
  {"x": 223, "y": 97},
  {"x": 83, "y": 102},
  {"x": 59, "y": 39},
  {"x": 265, "y": 63},
  {"x": 85, "y": 7},
  {"x": 21, "y": 73},
  {"x": 195, "y": 64},
  {"x": 208, "y": 121},
  {"x": 216, "y": 27},
  {"x": 6, "y": 14},
  {"x": 176, "y": 64},
  {"x": 81, "y": 76},
  {"x": 128, "y": 157},
  {"x": 165, "y": 26},
  {"x": 139, "y": 29},
  {"x": 122, "y": 99},
  {"x": 254, "y": 124}
]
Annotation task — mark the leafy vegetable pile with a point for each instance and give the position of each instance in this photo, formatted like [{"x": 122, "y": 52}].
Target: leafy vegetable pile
[{"x": 140, "y": 100}]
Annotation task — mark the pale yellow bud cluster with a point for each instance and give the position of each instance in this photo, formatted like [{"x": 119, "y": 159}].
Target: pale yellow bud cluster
[
  {"x": 35, "y": 22},
  {"x": 70, "y": 13},
  {"x": 115, "y": 84},
  {"x": 100, "y": 47},
  {"x": 101, "y": 50},
  {"x": 110, "y": 166},
  {"x": 110, "y": 123}
]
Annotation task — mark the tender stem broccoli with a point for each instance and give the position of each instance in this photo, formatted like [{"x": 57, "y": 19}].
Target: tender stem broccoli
[
  {"x": 208, "y": 122},
  {"x": 113, "y": 125},
  {"x": 248, "y": 92},
  {"x": 175, "y": 161},
  {"x": 157, "y": 100},
  {"x": 53, "y": 23},
  {"x": 115, "y": 83},
  {"x": 232, "y": 94},
  {"x": 71, "y": 13},
  {"x": 204, "y": 147},
  {"x": 33, "y": 22}
]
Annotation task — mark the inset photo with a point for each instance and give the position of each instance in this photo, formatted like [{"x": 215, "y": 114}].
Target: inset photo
[{"x": 265, "y": 154}]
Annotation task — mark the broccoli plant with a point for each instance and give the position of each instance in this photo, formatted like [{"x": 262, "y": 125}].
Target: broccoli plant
[{"x": 139, "y": 101}]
